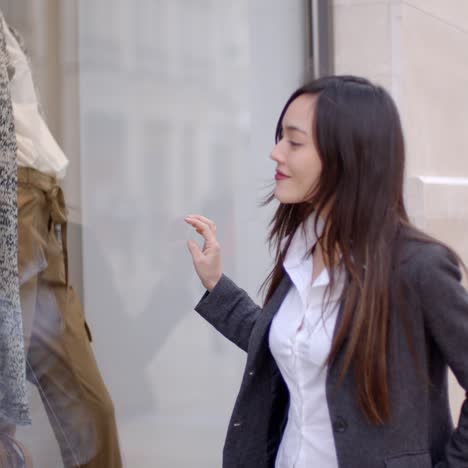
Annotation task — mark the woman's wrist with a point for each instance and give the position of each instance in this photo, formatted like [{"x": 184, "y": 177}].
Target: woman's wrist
[{"x": 211, "y": 285}]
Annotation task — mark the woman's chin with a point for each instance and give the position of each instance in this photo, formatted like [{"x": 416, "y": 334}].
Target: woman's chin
[{"x": 285, "y": 198}]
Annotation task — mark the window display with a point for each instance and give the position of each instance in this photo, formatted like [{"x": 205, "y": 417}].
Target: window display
[{"x": 59, "y": 358}]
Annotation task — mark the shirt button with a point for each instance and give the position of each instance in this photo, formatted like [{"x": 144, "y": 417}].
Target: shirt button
[
  {"x": 340, "y": 425},
  {"x": 252, "y": 373},
  {"x": 237, "y": 424}
]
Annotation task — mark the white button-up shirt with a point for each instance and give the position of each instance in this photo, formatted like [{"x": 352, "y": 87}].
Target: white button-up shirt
[
  {"x": 300, "y": 339},
  {"x": 36, "y": 147}
]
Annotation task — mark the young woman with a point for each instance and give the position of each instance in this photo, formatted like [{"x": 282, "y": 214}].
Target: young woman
[{"x": 347, "y": 360}]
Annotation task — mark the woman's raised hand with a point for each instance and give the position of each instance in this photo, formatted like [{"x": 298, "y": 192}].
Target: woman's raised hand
[{"x": 207, "y": 262}]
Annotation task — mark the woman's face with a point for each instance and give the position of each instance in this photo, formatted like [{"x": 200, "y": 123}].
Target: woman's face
[{"x": 298, "y": 164}]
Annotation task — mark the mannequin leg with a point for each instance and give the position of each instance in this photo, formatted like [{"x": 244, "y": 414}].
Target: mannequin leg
[{"x": 65, "y": 371}]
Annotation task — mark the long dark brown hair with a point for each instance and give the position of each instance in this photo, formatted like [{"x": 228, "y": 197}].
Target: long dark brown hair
[{"x": 359, "y": 138}]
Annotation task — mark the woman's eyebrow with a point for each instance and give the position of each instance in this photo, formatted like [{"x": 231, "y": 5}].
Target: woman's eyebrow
[{"x": 294, "y": 128}]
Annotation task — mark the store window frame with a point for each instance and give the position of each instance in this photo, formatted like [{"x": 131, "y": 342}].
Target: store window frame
[{"x": 319, "y": 34}]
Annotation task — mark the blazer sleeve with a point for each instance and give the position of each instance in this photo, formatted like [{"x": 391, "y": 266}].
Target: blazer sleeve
[
  {"x": 445, "y": 307},
  {"x": 230, "y": 310}
]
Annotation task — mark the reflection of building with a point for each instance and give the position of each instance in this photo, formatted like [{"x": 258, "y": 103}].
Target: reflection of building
[
  {"x": 170, "y": 85},
  {"x": 155, "y": 95},
  {"x": 162, "y": 95}
]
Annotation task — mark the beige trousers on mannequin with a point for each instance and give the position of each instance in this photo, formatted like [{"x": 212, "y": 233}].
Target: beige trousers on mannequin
[{"x": 60, "y": 360}]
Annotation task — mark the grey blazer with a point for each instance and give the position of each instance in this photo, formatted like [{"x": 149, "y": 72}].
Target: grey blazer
[{"x": 420, "y": 433}]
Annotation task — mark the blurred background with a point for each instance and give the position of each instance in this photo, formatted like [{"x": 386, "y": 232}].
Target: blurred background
[{"x": 168, "y": 107}]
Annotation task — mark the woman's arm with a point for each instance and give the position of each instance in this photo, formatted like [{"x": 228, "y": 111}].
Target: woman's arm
[
  {"x": 227, "y": 307},
  {"x": 445, "y": 308},
  {"x": 230, "y": 310}
]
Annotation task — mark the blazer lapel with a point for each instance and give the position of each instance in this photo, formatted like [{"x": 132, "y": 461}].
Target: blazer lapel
[{"x": 269, "y": 310}]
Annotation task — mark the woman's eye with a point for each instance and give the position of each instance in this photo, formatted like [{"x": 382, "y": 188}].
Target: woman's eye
[{"x": 294, "y": 143}]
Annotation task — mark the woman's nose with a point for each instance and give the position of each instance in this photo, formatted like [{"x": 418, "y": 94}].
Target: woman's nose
[{"x": 276, "y": 153}]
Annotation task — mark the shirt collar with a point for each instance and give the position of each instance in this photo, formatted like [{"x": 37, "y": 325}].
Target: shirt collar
[
  {"x": 298, "y": 262},
  {"x": 302, "y": 242}
]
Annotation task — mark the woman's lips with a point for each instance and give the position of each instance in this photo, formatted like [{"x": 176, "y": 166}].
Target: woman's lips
[{"x": 280, "y": 176}]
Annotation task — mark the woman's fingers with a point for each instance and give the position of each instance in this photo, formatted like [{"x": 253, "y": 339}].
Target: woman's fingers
[
  {"x": 203, "y": 228},
  {"x": 207, "y": 261},
  {"x": 205, "y": 220}
]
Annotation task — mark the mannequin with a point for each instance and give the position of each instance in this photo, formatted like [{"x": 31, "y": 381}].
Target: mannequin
[{"x": 56, "y": 338}]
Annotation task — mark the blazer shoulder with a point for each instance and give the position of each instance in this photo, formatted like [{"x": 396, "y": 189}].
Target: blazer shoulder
[{"x": 419, "y": 257}]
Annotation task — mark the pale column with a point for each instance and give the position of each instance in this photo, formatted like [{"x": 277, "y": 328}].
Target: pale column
[{"x": 417, "y": 50}]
